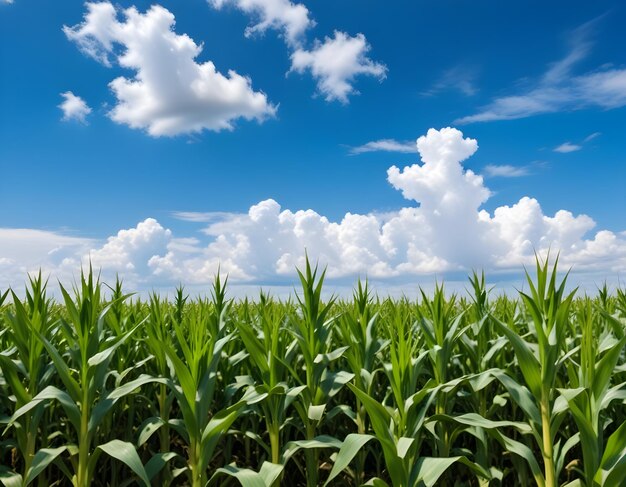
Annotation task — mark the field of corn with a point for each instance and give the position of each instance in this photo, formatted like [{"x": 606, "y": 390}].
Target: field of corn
[{"x": 104, "y": 388}]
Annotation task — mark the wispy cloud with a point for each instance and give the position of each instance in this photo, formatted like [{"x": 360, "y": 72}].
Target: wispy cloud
[
  {"x": 200, "y": 217},
  {"x": 505, "y": 171},
  {"x": 566, "y": 147},
  {"x": 385, "y": 145},
  {"x": 458, "y": 78},
  {"x": 592, "y": 136},
  {"x": 558, "y": 89}
]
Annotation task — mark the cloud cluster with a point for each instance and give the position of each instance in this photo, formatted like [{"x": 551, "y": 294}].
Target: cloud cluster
[
  {"x": 74, "y": 107},
  {"x": 170, "y": 93},
  {"x": 558, "y": 89},
  {"x": 444, "y": 230},
  {"x": 334, "y": 62}
]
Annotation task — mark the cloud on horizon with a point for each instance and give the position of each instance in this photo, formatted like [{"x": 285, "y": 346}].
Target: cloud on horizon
[{"x": 443, "y": 231}]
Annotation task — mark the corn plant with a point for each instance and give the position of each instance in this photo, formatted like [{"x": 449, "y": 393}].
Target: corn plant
[
  {"x": 28, "y": 374},
  {"x": 539, "y": 364},
  {"x": 193, "y": 362},
  {"x": 83, "y": 370},
  {"x": 476, "y": 389},
  {"x": 358, "y": 326},
  {"x": 590, "y": 395},
  {"x": 313, "y": 333}
]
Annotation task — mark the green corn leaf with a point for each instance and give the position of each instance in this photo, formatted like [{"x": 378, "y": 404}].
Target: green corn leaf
[
  {"x": 125, "y": 452},
  {"x": 51, "y": 393},
  {"x": 427, "y": 470},
  {"x": 322, "y": 441},
  {"x": 245, "y": 476},
  {"x": 41, "y": 460},
  {"x": 605, "y": 367},
  {"x": 270, "y": 472},
  {"x": 613, "y": 463},
  {"x": 528, "y": 363},
  {"x": 10, "y": 478},
  {"x": 157, "y": 462},
  {"x": 148, "y": 428},
  {"x": 350, "y": 447}
]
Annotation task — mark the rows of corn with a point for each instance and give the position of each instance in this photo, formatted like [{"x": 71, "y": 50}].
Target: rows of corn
[{"x": 103, "y": 388}]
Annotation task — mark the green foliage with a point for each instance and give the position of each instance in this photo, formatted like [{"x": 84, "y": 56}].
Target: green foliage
[{"x": 108, "y": 389}]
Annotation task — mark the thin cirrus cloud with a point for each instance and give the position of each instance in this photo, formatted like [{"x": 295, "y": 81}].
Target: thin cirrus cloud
[
  {"x": 385, "y": 145},
  {"x": 74, "y": 107},
  {"x": 443, "y": 229},
  {"x": 567, "y": 147},
  {"x": 505, "y": 171},
  {"x": 171, "y": 93},
  {"x": 559, "y": 89},
  {"x": 460, "y": 78}
]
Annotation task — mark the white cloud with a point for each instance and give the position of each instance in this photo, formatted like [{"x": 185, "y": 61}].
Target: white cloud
[
  {"x": 74, "y": 107},
  {"x": 23, "y": 250},
  {"x": 385, "y": 145},
  {"x": 567, "y": 147},
  {"x": 6, "y": 1},
  {"x": 199, "y": 216},
  {"x": 336, "y": 62},
  {"x": 445, "y": 230},
  {"x": 505, "y": 171},
  {"x": 592, "y": 136},
  {"x": 170, "y": 93},
  {"x": 570, "y": 147},
  {"x": 291, "y": 18},
  {"x": 559, "y": 89}
]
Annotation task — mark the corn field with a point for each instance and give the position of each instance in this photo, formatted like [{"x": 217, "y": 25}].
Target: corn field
[{"x": 102, "y": 388}]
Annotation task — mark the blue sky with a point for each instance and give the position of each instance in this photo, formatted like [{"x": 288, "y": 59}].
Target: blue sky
[{"x": 540, "y": 85}]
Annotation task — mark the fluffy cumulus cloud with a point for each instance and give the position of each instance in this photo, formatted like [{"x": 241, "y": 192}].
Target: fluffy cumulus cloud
[
  {"x": 560, "y": 89},
  {"x": 170, "y": 93},
  {"x": 74, "y": 107},
  {"x": 443, "y": 230},
  {"x": 336, "y": 62},
  {"x": 292, "y": 19}
]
